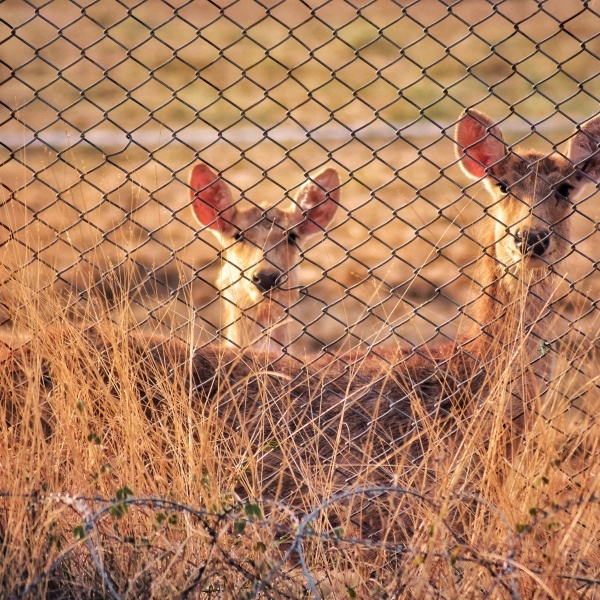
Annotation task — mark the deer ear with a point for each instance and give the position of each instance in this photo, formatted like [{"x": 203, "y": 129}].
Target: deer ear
[
  {"x": 479, "y": 143},
  {"x": 212, "y": 202},
  {"x": 318, "y": 200},
  {"x": 584, "y": 148}
]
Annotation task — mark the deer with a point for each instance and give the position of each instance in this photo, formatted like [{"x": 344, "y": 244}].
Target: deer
[
  {"x": 306, "y": 429},
  {"x": 261, "y": 253},
  {"x": 382, "y": 394}
]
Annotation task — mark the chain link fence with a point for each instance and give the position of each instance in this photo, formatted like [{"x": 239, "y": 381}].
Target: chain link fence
[{"x": 105, "y": 108}]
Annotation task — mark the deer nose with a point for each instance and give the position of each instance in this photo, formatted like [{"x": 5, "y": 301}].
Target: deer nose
[
  {"x": 265, "y": 281},
  {"x": 533, "y": 242}
]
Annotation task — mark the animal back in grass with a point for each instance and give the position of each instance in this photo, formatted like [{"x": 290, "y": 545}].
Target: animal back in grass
[{"x": 370, "y": 416}]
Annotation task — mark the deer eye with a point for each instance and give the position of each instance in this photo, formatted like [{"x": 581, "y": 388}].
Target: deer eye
[
  {"x": 564, "y": 189},
  {"x": 292, "y": 238},
  {"x": 502, "y": 187},
  {"x": 238, "y": 236}
]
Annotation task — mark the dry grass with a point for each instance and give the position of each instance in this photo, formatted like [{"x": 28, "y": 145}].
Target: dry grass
[{"x": 118, "y": 478}]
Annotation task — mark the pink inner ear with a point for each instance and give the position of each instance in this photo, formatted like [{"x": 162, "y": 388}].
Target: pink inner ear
[
  {"x": 479, "y": 144},
  {"x": 212, "y": 202},
  {"x": 319, "y": 199},
  {"x": 207, "y": 215},
  {"x": 584, "y": 148}
]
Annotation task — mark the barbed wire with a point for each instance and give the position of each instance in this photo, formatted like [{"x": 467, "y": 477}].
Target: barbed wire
[{"x": 298, "y": 530}]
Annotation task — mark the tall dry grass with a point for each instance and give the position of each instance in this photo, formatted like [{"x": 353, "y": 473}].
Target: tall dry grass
[{"x": 122, "y": 474}]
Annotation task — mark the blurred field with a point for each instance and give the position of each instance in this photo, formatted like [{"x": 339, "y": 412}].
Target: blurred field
[{"x": 104, "y": 111}]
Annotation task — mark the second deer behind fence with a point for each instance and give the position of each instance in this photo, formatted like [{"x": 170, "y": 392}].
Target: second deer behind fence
[{"x": 259, "y": 279}]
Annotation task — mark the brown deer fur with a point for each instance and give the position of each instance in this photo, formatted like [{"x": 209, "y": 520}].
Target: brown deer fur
[{"x": 385, "y": 397}]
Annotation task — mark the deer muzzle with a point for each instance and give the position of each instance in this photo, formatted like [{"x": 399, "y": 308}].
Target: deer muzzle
[
  {"x": 533, "y": 242},
  {"x": 267, "y": 281}
]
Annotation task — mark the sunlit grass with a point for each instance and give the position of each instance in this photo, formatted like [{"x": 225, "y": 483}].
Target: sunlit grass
[{"x": 117, "y": 473}]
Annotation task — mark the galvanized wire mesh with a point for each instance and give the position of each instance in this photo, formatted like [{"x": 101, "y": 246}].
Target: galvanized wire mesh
[{"x": 106, "y": 106}]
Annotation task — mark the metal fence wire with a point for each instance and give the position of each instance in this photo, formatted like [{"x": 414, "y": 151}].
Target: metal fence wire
[{"x": 107, "y": 106}]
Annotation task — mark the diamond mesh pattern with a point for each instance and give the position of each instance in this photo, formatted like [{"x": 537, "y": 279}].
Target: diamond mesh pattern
[{"x": 105, "y": 106}]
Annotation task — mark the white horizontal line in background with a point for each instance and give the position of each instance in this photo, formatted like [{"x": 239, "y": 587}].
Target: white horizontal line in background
[{"x": 152, "y": 140}]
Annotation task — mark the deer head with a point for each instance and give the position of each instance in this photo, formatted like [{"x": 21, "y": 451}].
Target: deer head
[{"x": 261, "y": 252}]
